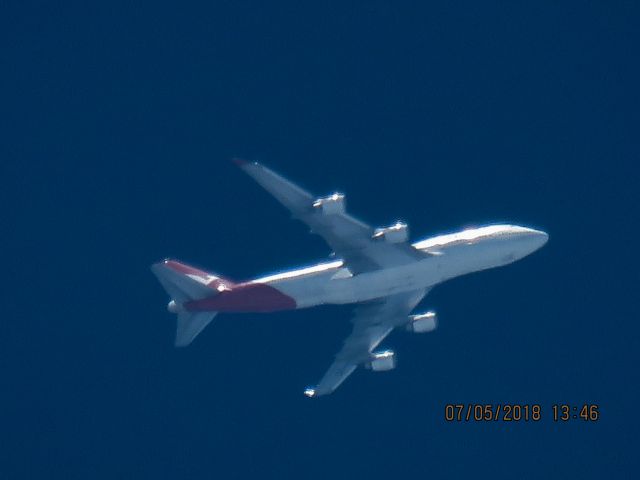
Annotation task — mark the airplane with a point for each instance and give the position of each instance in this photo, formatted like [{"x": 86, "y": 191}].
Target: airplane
[{"x": 375, "y": 268}]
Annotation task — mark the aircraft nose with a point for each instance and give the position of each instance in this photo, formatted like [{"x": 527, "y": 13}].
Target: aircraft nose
[
  {"x": 540, "y": 236},
  {"x": 535, "y": 238}
]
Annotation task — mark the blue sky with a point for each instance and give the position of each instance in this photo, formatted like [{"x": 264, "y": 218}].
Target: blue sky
[{"x": 118, "y": 125}]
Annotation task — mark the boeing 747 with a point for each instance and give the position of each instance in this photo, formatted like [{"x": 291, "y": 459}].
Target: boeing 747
[{"x": 376, "y": 268}]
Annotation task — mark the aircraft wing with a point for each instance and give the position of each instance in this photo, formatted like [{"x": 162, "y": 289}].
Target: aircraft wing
[
  {"x": 349, "y": 238},
  {"x": 372, "y": 322}
]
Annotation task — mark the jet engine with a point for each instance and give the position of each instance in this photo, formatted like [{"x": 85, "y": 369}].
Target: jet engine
[
  {"x": 382, "y": 361},
  {"x": 397, "y": 233},
  {"x": 331, "y": 205},
  {"x": 423, "y": 323}
]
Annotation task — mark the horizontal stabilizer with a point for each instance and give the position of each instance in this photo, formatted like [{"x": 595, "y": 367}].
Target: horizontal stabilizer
[
  {"x": 184, "y": 283},
  {"x": 190, "y": 324}
]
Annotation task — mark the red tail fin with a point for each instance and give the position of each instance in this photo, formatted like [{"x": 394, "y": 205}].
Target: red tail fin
[
  {"x": 209, "y": 279},
  {"x": 184, "y": 283}
]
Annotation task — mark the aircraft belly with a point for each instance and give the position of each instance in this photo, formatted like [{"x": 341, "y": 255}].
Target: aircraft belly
[
  {"x": 382, "y": 283},
  {"x": 308, "y": 291},
  {"x": 333, "y": 288}
]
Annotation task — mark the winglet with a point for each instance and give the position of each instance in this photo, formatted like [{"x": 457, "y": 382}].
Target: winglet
[{"x": 310, "y": 392}]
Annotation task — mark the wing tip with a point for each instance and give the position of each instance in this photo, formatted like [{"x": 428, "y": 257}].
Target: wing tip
[
  {"x": 242, "y": 163},
  {"x": 310, "y": 392}
]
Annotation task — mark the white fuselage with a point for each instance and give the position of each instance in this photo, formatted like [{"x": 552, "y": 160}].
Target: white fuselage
[{"x": 446, "y": 257}]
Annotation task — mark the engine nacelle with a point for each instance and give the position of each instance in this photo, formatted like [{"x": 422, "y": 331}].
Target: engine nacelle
[
  {"x": 382, "y": 361},
  {"x": 397, "y": 233},
  {"x": 423, "y": 323},
  {"x": 331, "y": 205}
]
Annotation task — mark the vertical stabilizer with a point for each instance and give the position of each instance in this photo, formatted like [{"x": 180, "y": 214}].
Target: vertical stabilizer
[{"x": 184, "y": 283}]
